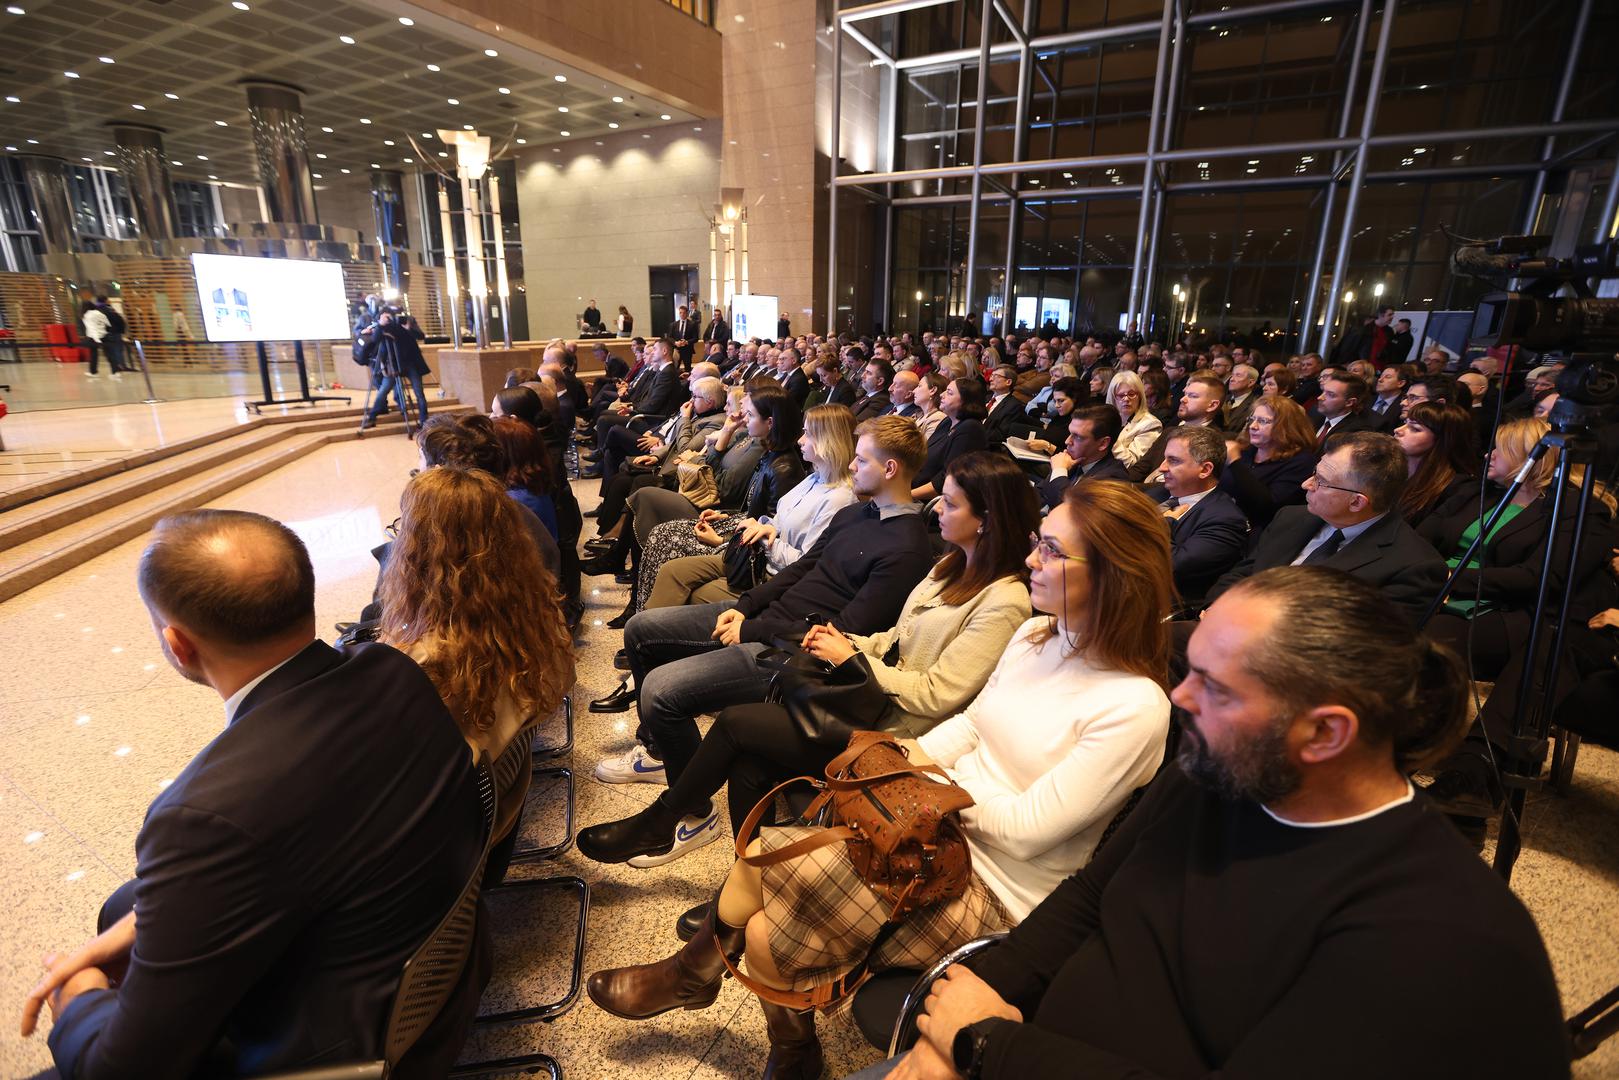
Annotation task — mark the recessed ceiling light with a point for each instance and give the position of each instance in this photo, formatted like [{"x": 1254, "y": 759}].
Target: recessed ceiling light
[
  {"x": 327, "y": 130},
  {"x": 374, "y": 165},
  {"x": 220, "y": 123},
  {"x": 238, "y": 5},
  {"x": 317, "y": 176},
  {"x": 71, "y": 74},
  {"x": 211, "y": 176},
  {"x": 106, "y": 59},
  {"x": 505, "y": 89},
  {"x": 618, "y": 101},
  {"x": 172, "y": 97},
  {"x": 408, "y": 161},
  {"x": 453, "y": 101},
  {"x": 565, "y": 134},
  {"x": 13, "y": 149},
  {"x": 13, "y": 9},
  {"x": 406, "y": 20},
  {"x": 613, "y": 126},
  {"x": 466, "y": 127},
  {"x": 554, "y": 150},
  {"x": 202, "y": 157},
  {"x": 109, "y": 153},
  {"x": 646, "y": 136},
  {"x": 364, "y": 120},
  {"x": 562, "y": 78},
  {"x": 14, "y": 99},
  {"x": 434, "y": 67},
  {"x": 599, "y": 142},
  {"x": 345, "y": 39},
  {"x": 562, "y": 108},
  {"x": 522, "y": 142},
  {"x": 345, "y": 172},
  {"x": 665, "y": 116},
  {"x": 321, "y": 156},
  {"x": 33, "y": 142},
  {"x": 387, "y": 142},
  {"x": 171, "y": 163},
  {"x": 138, "y": 108},
  {"x": 92, "y": 159},
  {"x": 442, "y": 153},
  {"x": 697, "y": 129},
  {"x": 490, "y": 52}
]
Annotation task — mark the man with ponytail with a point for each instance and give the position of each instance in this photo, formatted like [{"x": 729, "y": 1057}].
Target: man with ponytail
[{"x": 1281, "y": 902}]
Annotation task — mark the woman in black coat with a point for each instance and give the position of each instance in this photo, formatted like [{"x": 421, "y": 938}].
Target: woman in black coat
[
  {"x": 962, "y": 432},
  {"x": 1278, "y": 457}
]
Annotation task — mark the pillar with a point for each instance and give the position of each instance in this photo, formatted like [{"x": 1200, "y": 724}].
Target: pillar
[
  {"x": 46, "y": 178},
  {"x": 145, "y": 169},
  {"x": 277, "y": 114}
]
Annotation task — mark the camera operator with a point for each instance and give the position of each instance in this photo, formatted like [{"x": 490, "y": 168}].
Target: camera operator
[{"x": 394, "y": 354}]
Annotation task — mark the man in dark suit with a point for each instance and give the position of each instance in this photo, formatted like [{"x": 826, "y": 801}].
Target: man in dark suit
[
  {"x": 1387, "y": 408},
  {"x": 1006, "y": 417},
  {"x": 1309, "y": 384},
  {"x": 1088, "y": 453},
  {"x": 1350, "y": 522},
  {"x": 288, "y": 873},
  {"x": 717, "y": 332},
  {"x": 683, "y": 332},
  {"x": 874, "y": 382},
  {"x": 901, "y": 395},
  {"x": 651, "y": 398},
  {"x": 1207, "y": 531},
  {"x": 1342, "y": 408}
]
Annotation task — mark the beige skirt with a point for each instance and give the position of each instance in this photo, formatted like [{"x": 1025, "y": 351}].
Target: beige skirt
[{"x": 823, "y": 918}]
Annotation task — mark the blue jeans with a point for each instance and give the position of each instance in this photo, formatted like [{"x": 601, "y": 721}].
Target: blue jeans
[
  {"x": 391, "y": 383},
  {"x": 681, "y": 671}
]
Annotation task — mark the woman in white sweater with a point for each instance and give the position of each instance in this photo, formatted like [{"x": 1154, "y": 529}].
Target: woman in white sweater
[
  {"x": 1128, "y": 394},
  {"x": 1073, "y": 719}
]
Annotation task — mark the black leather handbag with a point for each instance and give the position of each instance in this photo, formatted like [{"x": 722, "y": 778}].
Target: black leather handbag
[
  {"x": 746, "y": 565},
  {"x": 827, "y": 704}
]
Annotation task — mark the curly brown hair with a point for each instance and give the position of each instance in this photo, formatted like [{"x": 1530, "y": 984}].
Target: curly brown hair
[{"x": 466, "y": 572}]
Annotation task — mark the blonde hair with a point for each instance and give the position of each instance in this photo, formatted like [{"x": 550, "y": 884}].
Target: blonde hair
[
  {"x": 1127, "y": 380},
  {"x": 1515, "y": 439},
  {"x": 829, "y": 434}
]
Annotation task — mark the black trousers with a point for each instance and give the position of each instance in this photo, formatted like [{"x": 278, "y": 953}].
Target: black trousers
[
  {"x": 749, "y": 750},
  {"x": 620, "y": 486}
]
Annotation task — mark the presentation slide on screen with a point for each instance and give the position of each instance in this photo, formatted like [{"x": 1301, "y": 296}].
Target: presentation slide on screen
[
  {"x": 249, "y": 299},
  {"x": 753, "y": 315}
]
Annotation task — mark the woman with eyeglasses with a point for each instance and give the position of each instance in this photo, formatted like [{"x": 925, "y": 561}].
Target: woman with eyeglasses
[
  {"x": 1073, "y": 718},
  {"x": 1266, "y": 465},
  {"x": 1141, "y": 428},
  {"x": 1441, "y": 454}
]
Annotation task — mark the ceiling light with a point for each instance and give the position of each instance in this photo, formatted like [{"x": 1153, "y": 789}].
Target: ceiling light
[
  {"x": 211, "y": 176},
  {"x": 434, "y": 67},
  {"x": 453, "y": 101},
  {"x": 172, "y": 97},
  {"x": 618, "y": 101},
  {"x": 14, "y": 100},
  {"x": 490, "y": 52},
  {"x": 345, "y": 172},
  {"x": 387, "y": 142},
  {"x": 321, "y": 156},
  {"x": 364, "y": 120},
  {"x": 105, "y": 59},
  {"x": 565, "y": 134},
  {"x": 109, "y": 153},
  {"x": 442, "y": 153},
  {"x": 697, "y": 129},
  {"x": 562, "y": 78},
  {"x": 202, "y": 157},
  {"x": 505, "y": 89},
  {"x": 138, "y": 108},
  {"x": 327, "y": 130},
  {"x": 345, "y": 39},
  {"x": 522, "y": 142},
  {"x": 33, "y": 142},
  {"x": 171, "y": 163},
  {"x": 374, "y": 165},
  {"x": 13, "y": 149},
  {"x": 408, "y": 161},
  {"x": 71, "y": 74},
  {"x": 646, "y": 136},
  {"x": 406, "y": 20},
  {"x": 665, "y": 116},
  {"x": 220, "y": 123},
  {"x": 13, "y": 9},
  {"x": 562, "y": 108},
  {"x": 317, "y": 176},
  {"x": 613, "y": 126},
  {"x": 466, "y": 127},
  {"x": 238, "y": 5},
  {"x": 92, "y": 159}
]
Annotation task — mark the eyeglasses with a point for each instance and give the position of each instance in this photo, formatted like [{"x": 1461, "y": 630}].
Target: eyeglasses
[
  {"x": 1315, "y": 478},
  {"x": 1046, "y": 550}
]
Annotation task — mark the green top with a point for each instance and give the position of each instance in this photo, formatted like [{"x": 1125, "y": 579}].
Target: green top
[{"x": 1469, "y": 608}]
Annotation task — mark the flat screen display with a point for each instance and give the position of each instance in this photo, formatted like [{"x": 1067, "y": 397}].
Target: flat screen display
[
  {"x": 251, "y": 299},
  {"x": 754, "y": 315}
]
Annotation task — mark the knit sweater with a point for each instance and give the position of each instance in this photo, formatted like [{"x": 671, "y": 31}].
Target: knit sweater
[
  {"x": 946, "y": 651},
  {"x": 1049, "y": 750}
]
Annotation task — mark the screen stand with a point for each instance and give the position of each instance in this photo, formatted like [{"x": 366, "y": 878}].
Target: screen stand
[{"x": 304, "y": 396}]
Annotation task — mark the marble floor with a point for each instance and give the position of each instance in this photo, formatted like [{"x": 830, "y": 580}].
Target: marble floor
[
  {"x": 38, "y": 385},
  {"x": 94, "y": 723}
]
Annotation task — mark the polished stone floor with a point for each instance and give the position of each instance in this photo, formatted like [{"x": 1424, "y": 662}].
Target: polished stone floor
[{"x": 94, "y": 723}]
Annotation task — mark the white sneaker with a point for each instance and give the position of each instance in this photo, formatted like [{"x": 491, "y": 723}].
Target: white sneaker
[
  {"x": 634, "y": 767},
  {"x": 690, "y": 834},
  {"x": 92, "y": 374},
  {"x": 117, "y": 374}
]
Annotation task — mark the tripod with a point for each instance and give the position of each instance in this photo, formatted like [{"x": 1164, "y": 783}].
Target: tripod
[{"x": 389, "y": 375}]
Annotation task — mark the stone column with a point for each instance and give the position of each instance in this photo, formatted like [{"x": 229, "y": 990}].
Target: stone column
[
  {"x": 276, "y": 111},
  {"x": 46, "y": 178},
  {"x": 388, "y": 207},
  {"x": 145, "y": 169}
]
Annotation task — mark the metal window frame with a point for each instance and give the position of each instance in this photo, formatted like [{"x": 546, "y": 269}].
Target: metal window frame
[{"x": 1350, "y": 153}]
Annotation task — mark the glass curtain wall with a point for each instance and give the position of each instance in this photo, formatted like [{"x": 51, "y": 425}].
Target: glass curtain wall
[{"x": 1487, "y": 118}]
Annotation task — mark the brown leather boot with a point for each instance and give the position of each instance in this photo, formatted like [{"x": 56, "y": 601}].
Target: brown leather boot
[
  {"x": 795, "y": 1052},
  {"x": 690, "y": 979}
]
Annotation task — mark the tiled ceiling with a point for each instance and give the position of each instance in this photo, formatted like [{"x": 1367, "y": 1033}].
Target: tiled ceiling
[{"x": 182, "y": 61}]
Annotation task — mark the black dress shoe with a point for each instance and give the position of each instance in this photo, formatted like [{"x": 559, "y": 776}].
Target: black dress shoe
[
  {"x": 625, "y": 577},
  {"x": 590, "y": 474},
  {"x": 651, "y": 832},
  {"x": 619, "y": 700},
  {"x": 600, "y": 545},
  {"x": 687, "y": 925},
  {"x": 1465, "y": 786},
  {"x": 619, "y": 621},
  {"x": 601, "y": 564},
  {"x": 621, "y": 660}
]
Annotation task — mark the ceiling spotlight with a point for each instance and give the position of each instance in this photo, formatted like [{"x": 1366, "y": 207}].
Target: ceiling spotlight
[
  {"x": 665, "y": 116},
  {"x": 202, "y": 157},
  {"x": 453, "y": 101},
  {"x": 562, "y": 78},
  {"x": 406, "y": 20},
  {"x": 443, "y": 153},
  {"x": 172, "y": 97},
  {"x": 408, "y": 161},
  {"x": 171, "y": 163},
  {"x": 238, "y": 5},
  {"x": 434, "y": 67},
  {"x": 345, "y": 39},
  {"x": 71, "y": 74},
  {"x": 220, "y": 123},
  {"x": 466, "y": 127},
  {"x": 315, "y": 175},
  {"x": 613, "y": 126},
  {"x": 327, "y": 130},
  {"x": 211, "y": 176},
  {"x": 14, "y": 99},
  {"x": 618, "y": 101},
  {"x": 562, "y": 108},
  {"x": 522, "y": 142},
  {"x": 106, "y": 59},
  {"x": 345, "y": 172},
  {"x": 138, "y": 108},
  {"x": 321, "y": 156},
  {"x": 387, "y": 142},
  {"x": 109, "y": 153},
  {"x": 92, "y": 159},
  {"x": 365, "y": 120},
  {"x": 427, "y": 134},
  {"x": 13, "y": 149},
  {"x": 697, "y": 129},
  {"x": 33, "y": 142},
  {"x": 505, "y": 89},
  {"x": 374, "y": 165},
  {"x": 13, "y": 9},
  {"x": 490, "y": 52},
  {"x": 565, "y": 134}
]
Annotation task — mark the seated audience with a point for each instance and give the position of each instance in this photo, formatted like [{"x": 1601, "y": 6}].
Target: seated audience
[
  {"x": 1388, "y": 406},
  {"x": 1073, "y": 718},
  {"x": 801, "y": 515},
  {"x": 469, "y": 442},
  {"x": 1285, "y": 843},
  {"x": 1351, "y": 522},
  {"x": 964, "y": 432},
  {"x": 626, "y": 441},
  {"x": 902, "y": 395},
  {"x": 1066, "y": 395},
  {"x": 1003, "y": 412},
  {"x": 1207, "y": 532},
  {"x": 928, "y": 395},
  {"x": 1267, "y": 464},
  {"x": 1160, "y": 399},
  {"x": 1242, "y": 387},
  {"x": 1340, "y": 407},
  {"x": 661, "y": 453},
  {"x": 1141, "y": 428},
  {"x": 875, "y": 378},
  {"x": 1202, "y": 400},
  {"x": 1279, "y": 382},
  {"x": 951, "y": 633},
  {"x": 690, "y": 660},
  {"x": 284, "y": 878},
  {"x": 466, "y": 596},
  {"x": 836, "y": 388},
  {"x": 1086, "y": 455},
  {"x": 1442, "y": 461},
  {"x": 528, "y": 468}
]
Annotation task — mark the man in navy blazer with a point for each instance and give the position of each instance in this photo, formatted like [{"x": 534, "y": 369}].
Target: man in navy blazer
[
  {"x": 1207, "y": 531},
  {"x": 1088, "y": 453},
  {"x": 298, "y": 861}
]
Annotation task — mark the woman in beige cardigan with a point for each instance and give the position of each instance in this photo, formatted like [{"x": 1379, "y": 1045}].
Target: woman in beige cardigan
[{"x": 950, "y": 636}]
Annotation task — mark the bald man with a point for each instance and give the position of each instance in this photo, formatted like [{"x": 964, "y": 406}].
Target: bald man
[
  {"x": 284, "y": 878},
  {"x": 901, "y": 402}
]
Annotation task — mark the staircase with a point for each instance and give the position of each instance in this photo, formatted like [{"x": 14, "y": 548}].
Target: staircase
[{"x": 59, "y": 523}]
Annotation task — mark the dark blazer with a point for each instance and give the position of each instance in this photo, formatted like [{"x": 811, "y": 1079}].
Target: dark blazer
[
  {"x": 1355, "y": 421},
  {"x": 1109, "y": 468},
  {"x": 1205, "y": 542},
  {"x": 717, "y": 330},
  {"x": 1263, "y": 487},
  {"x": 841, "y": 394},
  {"x": 1235, "y": 420},
  {"x": 1006, "y": 420},
  {"x": 686, "y": 330},
  {"x": 949, "y": 441},
  {"x": 867, "y": 406},
  {"x": 797, "y": 386},
  {"x": 286, "y": 876},
  {"x": 658, "y": 394},
  {"x": 1459, "y": 495},
  {"x": 1389, "y": 555},
  {"x": 1389, "y": 419}
]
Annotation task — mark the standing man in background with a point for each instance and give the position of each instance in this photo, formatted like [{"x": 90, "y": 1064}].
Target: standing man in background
[
  {"x": 718, "y": 332},
  {"x": 683, "y": 331},
  {"x": 591, "y": 320}
]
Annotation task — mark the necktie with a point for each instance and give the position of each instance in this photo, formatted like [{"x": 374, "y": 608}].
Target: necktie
[
  {"x": 1379, "y": 406},
  {"x": 1171, "y": 502},
  {"x": 1327, "y": 549},
  {"x": 1321, "y": 436}
]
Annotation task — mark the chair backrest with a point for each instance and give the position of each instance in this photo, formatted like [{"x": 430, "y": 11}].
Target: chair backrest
[{"x": 433, "y": 972}]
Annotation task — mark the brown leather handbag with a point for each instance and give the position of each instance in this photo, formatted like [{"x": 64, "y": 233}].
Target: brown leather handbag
[{"x": 902, "y": 832}]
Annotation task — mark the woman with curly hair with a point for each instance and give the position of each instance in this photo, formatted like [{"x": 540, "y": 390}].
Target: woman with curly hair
[{"x": 467, "y": 597}]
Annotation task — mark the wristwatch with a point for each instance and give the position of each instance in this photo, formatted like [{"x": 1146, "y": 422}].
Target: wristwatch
[{"x": 967, "y": 1051}]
